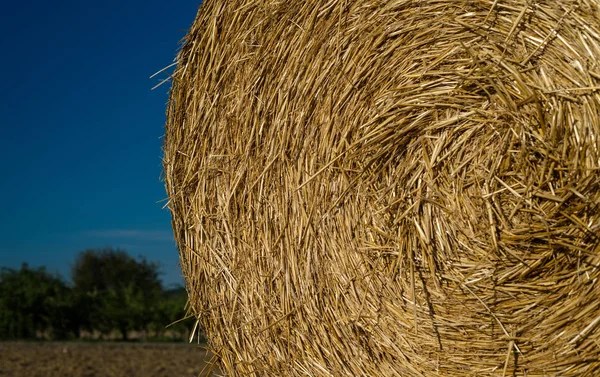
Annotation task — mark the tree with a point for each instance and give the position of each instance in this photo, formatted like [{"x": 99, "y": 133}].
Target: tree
[
  {"x": 118, "y": 291},
  {"x": 170, "y": 314},
  {"x": 35, "y": 303}
]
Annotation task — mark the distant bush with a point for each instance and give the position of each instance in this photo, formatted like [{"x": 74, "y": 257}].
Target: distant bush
[
  {"x": 110, "y": 292},
  {"x": 170, "y": 311},
  {"x": 35, "y": 303},
  {"x": 119, "y": 291}
]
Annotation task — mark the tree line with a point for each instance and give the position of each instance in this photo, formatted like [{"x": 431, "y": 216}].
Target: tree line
[{"x": 110, "y": 294}]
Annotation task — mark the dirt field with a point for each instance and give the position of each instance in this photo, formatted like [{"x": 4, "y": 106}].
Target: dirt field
[{"x": 23, "y": 359}]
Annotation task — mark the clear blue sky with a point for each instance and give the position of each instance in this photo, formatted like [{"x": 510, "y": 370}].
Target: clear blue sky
[{"x": 81, "y": 129}]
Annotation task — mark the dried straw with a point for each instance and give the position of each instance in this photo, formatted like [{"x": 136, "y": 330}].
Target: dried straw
[{"x": 391, "y": 188}]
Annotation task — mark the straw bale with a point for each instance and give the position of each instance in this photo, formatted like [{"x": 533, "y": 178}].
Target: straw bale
[{"x": 390, "y": 188}]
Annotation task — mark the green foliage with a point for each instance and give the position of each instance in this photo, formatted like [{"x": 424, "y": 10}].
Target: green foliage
[
  {"x": 119, "y": 290},
  {"x": 34, "y": 303},
  {"x": 111, "y": 292},
  {"x": 170, "y": 314}
]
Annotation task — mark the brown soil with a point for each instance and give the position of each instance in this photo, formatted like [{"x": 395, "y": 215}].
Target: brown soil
[{"x": 24, "y": 359}]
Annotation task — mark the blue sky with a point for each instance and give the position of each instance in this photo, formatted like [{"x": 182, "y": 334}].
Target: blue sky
[{"x": 81, "y": 129}]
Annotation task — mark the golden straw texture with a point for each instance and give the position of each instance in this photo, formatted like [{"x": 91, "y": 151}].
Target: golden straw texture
[{"x": 390, "y": 188}]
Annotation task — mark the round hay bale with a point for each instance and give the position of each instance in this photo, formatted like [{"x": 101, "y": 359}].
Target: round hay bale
[{"x": 390, "y": 188}]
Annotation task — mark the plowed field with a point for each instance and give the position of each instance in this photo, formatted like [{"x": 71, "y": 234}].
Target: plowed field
[{"x": 25, "y": 359}]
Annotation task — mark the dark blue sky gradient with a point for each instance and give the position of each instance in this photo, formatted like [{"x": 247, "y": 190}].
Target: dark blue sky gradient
[{"x": 81, "y": 129}]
